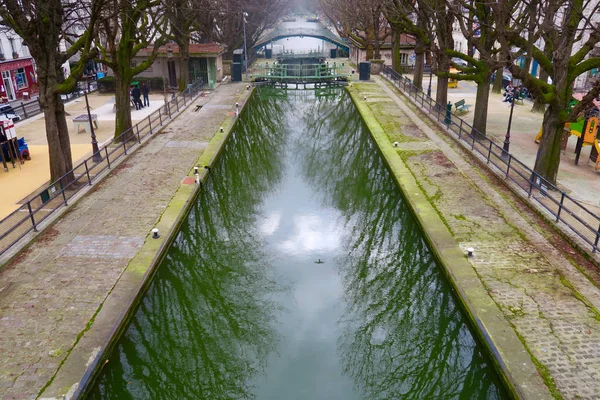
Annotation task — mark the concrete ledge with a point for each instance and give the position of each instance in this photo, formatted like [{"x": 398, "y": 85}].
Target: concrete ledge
[
  {"x": 511, "y": 359},
  {"x": 114, "y": 313}
]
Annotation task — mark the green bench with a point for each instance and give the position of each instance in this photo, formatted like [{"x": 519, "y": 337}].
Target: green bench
[
  {"x": 520, "y": 98},
  {"x": 460, "y": 106}
]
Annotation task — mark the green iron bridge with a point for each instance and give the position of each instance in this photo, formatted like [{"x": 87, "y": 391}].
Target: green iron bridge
[
  {"x": 300, "y": 74},
  {"x": 319, "y": 33}
]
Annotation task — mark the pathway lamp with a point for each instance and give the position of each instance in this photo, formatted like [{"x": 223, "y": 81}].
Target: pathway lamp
[
  {"x": 505, "y": 148},
  {"x": 430, "y": 76},
  {"x": 96, "y": 156},
  {"x": 245, "y": 14}
]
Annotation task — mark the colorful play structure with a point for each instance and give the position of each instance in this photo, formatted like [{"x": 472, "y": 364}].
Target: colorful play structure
[
  {"x": 453, "y": 83},
  {"x": 12, "y": 150},
  {"x": 586, "y": 130}
]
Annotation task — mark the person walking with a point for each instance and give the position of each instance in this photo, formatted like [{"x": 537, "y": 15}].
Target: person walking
[
  {"x": 135, "y": 93},
  {"x": 145, "y": 92}
]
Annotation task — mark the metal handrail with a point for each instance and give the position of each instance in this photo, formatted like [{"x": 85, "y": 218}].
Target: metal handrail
[
  {"x": 562, "y": 207},
  {"x": 30, "y": 215}
]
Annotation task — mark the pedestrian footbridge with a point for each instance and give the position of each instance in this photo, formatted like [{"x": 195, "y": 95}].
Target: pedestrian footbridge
[{"x": 318, "y": 33}]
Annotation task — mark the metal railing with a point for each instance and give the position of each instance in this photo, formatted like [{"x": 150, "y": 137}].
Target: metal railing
[
  {"x": 562, "y": 207},
  {"x": 32, "y": 108},
  {"x": 36, "y": 210}
]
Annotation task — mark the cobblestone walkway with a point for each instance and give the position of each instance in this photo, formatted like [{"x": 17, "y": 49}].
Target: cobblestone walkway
[
  {"x": 545, "y": 292},
  {"x": 51, "y": 292}
]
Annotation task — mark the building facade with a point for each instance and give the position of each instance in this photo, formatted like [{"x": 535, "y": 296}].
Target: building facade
[
  {"x": 17, "y": 67},
  {"x": 358, "y": 52},
  {"x": 205, "y": 62}
]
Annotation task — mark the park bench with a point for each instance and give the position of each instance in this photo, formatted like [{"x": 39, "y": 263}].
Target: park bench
[
  {"x": 460, "y": 106},
  {"x": 520, "y": 98},
  {"x": 82, "y": 121}
]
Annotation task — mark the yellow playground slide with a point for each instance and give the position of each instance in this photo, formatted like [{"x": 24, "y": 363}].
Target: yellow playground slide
[{"x": 575, "y": 128}]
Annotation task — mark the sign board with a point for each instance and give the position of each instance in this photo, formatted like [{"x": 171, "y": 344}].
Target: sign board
[
  {"x": 9, "y": 128},
  {"x": 591, "y": 130}
]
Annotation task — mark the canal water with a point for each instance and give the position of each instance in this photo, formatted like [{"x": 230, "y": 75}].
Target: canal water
[{"x": 299, "y": 273}]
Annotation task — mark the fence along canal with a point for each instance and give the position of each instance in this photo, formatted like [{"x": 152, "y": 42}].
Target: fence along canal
[
  {"x": 554, "y": 201},
  {"x": 56, "y": 195},
  {"x": 299, "y": 273}
]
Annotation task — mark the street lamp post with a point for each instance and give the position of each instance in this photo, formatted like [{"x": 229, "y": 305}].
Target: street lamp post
[
  {"x": 245, "y": 14},
  {"x": 430, "y": 76},
  {"x": 96, "y": 156},
  {"x": 506, "y": 146}
]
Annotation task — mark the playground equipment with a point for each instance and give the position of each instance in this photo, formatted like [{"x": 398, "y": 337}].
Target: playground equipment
[
  {"x": 12, "y": 150},
  {"x": 453, "y": 83},
  {"x": 586, "y": 132}
]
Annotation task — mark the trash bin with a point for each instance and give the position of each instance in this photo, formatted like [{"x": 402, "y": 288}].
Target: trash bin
[
  {"x": 236, "y": 72},
  {"x": 45, "y": 196},
  {"x": 268, "y": 54},
  {"x": 364, "y": 70}
]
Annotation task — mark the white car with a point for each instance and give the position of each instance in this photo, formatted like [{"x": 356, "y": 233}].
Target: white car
[{"x": 7, "y": 111}]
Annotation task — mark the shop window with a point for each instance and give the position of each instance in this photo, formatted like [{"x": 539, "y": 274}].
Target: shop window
[
  {"x": 403, "y": 58},
  {"x": 21, "y": 79}
]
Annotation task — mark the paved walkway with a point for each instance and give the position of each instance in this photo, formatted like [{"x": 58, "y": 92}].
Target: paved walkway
[
  {"x": 51, "y": 295},
  {"x": 581, "y": 181},
  {"x": 547, "y": 292},
  {"x": 21, "y": 181}
]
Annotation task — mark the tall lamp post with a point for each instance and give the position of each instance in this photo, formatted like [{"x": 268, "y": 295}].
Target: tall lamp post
[
  {"x": 96, "y": 156},
  {"x": 430, "y": 76},
  {"x": 245, "y": 14},
  {"x": 505, "y": 148}
]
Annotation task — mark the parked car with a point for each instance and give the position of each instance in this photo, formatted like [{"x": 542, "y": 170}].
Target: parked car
[
  {"x": 506, "y": 79},
  {"x": 9, "y": 113}
]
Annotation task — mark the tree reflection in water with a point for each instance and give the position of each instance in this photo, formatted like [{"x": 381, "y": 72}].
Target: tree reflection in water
[
  {"x": 403, "y": 335},
  {"x": 205, "y": 327}
]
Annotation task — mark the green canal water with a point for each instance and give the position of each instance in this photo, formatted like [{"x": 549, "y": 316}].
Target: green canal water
[{"x": 241, "y": 307}]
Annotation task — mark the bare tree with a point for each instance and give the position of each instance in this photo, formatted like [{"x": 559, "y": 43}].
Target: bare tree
[
  {"x": 129, "y": 27},
  {"x": 564, "y": 35},
  {"x": 478, "y": 25},
  {"x": 362, "y": 21},
  {"x": 227, "y": 24},
  {"x": 431, "y": 23},
  {"x": 182, "y": 15},
  {"x": 55, "y": 31}
]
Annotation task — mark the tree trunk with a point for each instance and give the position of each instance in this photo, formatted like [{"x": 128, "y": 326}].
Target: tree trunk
[
  {"x": 548, "y": 159},
  {"x": 369, "y": 43},
  {"x": 498, "y": 80},
  {"x": 441, "y": 94},
  {"x": 396, "y": 49},
  {"x": 481, "y": 106},
  {"x": 443, "y": 65},
  {"x": 419, "y": 67},
  {"x": 57, "y": 133},
  {"x": 539, "y": 107},
  {"x": 184, "y": 65},
  {"x": 123, "y": 105}
]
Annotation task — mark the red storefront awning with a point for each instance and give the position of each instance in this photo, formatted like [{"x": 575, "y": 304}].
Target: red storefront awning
[{"x": 14, "y": 64}]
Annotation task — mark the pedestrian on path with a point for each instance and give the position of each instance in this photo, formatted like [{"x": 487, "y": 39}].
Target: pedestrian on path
[
  {"x": 145, "y": 92},
  {"x": 135, "y": 93}
]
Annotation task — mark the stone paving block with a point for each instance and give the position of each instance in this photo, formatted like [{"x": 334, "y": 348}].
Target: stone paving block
[{"x": 102, "y": 246}]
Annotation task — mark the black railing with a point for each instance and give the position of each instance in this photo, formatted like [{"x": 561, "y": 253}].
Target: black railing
[
  {"x": 36, "y": 210},
  {"x": 562, "y": 207},
  {"x": 32, "y": 108}
]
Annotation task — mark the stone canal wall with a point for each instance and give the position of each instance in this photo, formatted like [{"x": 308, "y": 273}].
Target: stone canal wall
[
  {"x": 64, "y": 298},
  {"x": 453, "y": 211}
]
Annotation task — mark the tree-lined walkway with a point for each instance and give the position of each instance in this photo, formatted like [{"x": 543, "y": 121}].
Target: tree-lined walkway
[
  {"x": 54, "y": 295},
  {"x": 546, "y": 292}
]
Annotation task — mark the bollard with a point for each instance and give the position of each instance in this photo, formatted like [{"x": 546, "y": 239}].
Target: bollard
[{"x": 448, "y": 119}]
